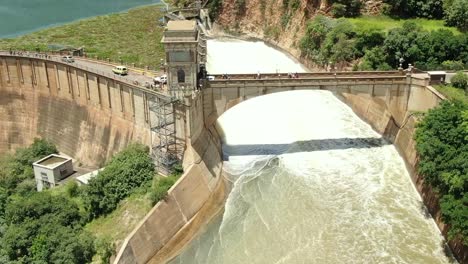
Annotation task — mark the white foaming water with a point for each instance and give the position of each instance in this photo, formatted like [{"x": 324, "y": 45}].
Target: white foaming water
[
  {"x": 239, "y": 56},
  {"x": 312, "y": 183}
]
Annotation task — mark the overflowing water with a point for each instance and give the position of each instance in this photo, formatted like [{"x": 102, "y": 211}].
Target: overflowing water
[
  {"x": 238, "y": 56},
  {"x": 312, "y": 183}
]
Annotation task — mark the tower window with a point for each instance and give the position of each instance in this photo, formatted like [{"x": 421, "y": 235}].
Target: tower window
[{"x": 180, "y": 76}]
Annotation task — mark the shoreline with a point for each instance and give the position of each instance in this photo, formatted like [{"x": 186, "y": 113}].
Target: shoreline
[{"x": 24, "y": 33}]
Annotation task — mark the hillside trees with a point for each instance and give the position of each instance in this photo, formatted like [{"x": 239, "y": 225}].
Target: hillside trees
[
  {"x": 338, "y": 42},
  {"x": 442, "y": 145},
  {"x": 346, "y": 8},
  {"x": 47, "y": 227},
  {"x": 417, "y": 8},
  {"x": 456, "y": 13},
  {"x": 41, "y": 228}
]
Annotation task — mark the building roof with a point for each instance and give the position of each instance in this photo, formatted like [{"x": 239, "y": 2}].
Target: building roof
[
  {"x": 436, "y": 72},
  {"x": 181, "y": 25},
  {"x": 84, "y": 179},
  {"x": 52, "y": 161}
]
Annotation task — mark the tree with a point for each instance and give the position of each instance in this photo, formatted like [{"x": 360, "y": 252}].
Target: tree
[
  {"x": 374, "y": 59},
  {"x": 338, "y": 46},
  {"x": 368, "y": 39},
  {"x": 347, "y": 8},
  {"x": 408, "y": 42},
  {"x": 456, "y": 13},
  {"x": 455, "y": 212},
  {"x": 315, "y": 34},
  {"x": 460, "y": 80},
  {"x": 41, "y": 228},
  {"x": 126, "y": 171},
  {"x": 417, "y": 8},
  {"x": 338, "y": 10},
  {"x": 442, "y": 145},
  {"x": 19, "y": 167}
]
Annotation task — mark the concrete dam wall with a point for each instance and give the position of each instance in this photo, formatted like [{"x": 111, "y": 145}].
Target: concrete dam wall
[
  {"x": 87, "y": 116},
  {"x": 90, "y": 117}
]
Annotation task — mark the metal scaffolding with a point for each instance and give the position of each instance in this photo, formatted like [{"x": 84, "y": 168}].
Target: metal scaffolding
[{"x": 162, "y": 124}]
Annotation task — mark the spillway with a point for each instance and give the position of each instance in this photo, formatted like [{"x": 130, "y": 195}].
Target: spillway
[{"x": 311, "y": 183}]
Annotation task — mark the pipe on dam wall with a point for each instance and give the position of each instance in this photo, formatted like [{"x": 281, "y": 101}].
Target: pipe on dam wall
[{"x": 88, "y": 116}]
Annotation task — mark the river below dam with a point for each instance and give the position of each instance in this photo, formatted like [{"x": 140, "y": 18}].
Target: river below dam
[
  {"x": 311, "y": 183},
  {"x": 18, "y": 17}
]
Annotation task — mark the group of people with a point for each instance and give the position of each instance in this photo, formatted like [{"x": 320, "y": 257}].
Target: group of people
[
  {"x": 293, "y": 75},
  {"x": 27, "y": 53},
  {"x": 290, "y": 75}
]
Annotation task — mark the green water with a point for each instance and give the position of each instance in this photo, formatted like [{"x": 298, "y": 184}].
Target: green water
[{"x": 18, "y": 17}]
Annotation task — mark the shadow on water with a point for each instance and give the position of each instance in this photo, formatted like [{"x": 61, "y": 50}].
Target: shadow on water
[{"x": 302, "y": 146}]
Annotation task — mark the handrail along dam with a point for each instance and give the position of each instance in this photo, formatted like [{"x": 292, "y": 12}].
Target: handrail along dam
[{"x": 90, "y": 116}]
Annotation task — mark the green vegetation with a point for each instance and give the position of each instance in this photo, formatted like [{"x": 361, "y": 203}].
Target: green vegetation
[
  {"x": 132, "y": 37},
  {"x": 339, "y": 42},
  {"x": 460, "y": 81},
  {"x": 346, "y": 8},
  {"x": 416, "y": 8},
  {"x": 385, "y": 23},
  {"x": 125, "y": 172},
  {"x": 37, "y": 227},
  {"x": 71, "y": 224},
  {"x": 215, "y": 8},
  {"x": 442, "y": 145},
  {"x": 453, "y": 93},
  {"x": 162, "y": 184},
  {"x": 456, "y": 13}
]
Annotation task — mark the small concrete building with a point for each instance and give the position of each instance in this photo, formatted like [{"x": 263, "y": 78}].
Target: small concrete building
[
  {"x": 50, "y": 170},
  {"x": 437, "y": 77}
]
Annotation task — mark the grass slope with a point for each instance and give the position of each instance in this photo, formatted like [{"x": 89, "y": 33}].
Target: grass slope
[
  {"x": 386, "y": 23},
  {"x": 133, "y": 37},
  {"x": 453, "y": 93}
]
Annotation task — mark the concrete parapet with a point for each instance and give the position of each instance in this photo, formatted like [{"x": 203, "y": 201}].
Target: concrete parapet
[{"x": 190, "y": 203}]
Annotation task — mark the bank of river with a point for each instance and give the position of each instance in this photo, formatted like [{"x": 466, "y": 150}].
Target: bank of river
[
  {"x": 18, "y": 17},
  {"x": 312, "y": 183}
]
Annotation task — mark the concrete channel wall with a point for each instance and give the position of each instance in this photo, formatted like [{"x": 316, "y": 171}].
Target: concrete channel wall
[
  {"x": 87, "y": 115},
  {"x": 193, "y": 200},
  {"x": 393, "y": 117}
]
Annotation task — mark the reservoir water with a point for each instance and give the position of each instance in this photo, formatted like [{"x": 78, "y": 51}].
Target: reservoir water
[
  {"x": 311, "y": 183},
  {"x": 19, "y": 17}
]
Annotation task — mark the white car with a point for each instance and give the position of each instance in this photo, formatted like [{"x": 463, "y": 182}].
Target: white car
[
  {"x": 163, "y": 79},
  {"x": 68, "y": 59},
  {"x": 211, "y": 78}
]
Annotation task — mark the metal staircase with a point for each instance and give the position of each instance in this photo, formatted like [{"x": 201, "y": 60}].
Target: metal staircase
[{"x": 163, "y": 127}]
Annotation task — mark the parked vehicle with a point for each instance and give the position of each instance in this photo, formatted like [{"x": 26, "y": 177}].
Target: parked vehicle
[
  {"x": 163, "y": 79},
  {"x": 69, "y": 59},
  {"x": 211, "y": 78},
  {"x": 120, "y": 70}
]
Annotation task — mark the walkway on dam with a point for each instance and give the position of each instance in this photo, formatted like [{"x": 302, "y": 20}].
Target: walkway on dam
[{"x": 135, "y": 76}]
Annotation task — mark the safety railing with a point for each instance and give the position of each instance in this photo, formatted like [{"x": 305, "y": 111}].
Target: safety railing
[{"x": 57, "y": 59}]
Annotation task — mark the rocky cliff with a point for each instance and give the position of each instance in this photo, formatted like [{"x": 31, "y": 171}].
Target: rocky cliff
[{"x": 280, "y": 22}]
